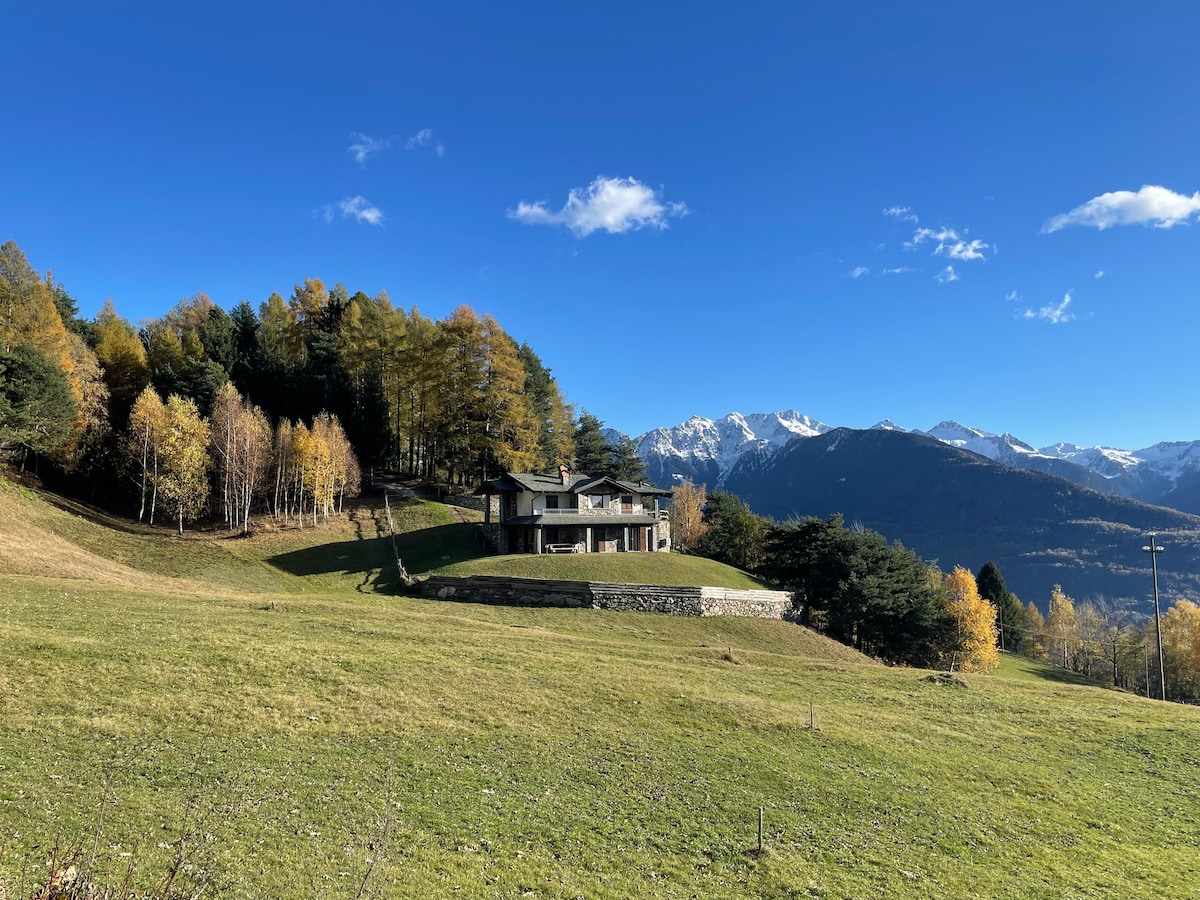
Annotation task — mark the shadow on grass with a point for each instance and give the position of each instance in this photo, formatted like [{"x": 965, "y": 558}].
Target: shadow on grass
[
  {"x": 431, "y": 548},
  {"x": 372, "y": 559},
  {"x": 1026, "y": 669},
  {"x": 106, "y": 520}
]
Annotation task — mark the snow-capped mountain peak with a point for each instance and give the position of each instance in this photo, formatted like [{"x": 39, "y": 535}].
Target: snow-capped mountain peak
[
  {"x": 956, "y": 435},
  {"x": 706, "y": 450}
]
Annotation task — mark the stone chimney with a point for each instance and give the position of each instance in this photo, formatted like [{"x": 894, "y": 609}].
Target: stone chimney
[{"x": 564, "y": 472}]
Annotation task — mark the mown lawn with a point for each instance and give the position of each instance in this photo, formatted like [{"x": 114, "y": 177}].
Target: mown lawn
[
  {"x": 622, "y": 568},
  {"x": 338, "y": 742}
]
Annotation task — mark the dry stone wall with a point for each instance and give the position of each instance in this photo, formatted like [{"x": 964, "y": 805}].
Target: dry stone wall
[{"x": 676, "y": 601}]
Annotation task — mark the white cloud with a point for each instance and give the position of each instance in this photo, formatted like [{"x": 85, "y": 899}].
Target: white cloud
[
  {"x": 1055, "y": 315},
  {"x": 1099, "y": 274},
  {"x": 900, "y": 270},
  {"x": 424, "y": 138},
  {"x": 1012, "y": 296},
  {"x": 859, "y": 272},
  {"x": 901, "y": 214},
  {"x": 1152, "y": 205},
  {"x": 921, "y": 235},
  {"x": 365, "y": 146},
  {"x": 963, "y": 250},
  {"x": 615, "y": 205},
  {"x": 358, "y": 208},
  {"x": 362, "y": 210},
  {"x": 420, "y": 139},
  {"x": 946, "y": 275}
]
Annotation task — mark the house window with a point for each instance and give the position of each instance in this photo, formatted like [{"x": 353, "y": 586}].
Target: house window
[
  {"x": 596, "y": 501},
  {"x": 552, "y": 501}
]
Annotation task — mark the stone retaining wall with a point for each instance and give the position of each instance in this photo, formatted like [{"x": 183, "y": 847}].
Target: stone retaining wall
[{"x": 676, "y": 601}]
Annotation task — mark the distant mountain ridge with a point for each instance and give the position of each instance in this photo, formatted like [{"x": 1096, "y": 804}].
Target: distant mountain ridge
[
  {"x": 707, "y": 450},
  {"x": 961, "y": 508}
]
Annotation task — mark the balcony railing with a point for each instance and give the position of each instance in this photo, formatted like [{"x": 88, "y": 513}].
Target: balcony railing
[{"x": 604, "y": 511}]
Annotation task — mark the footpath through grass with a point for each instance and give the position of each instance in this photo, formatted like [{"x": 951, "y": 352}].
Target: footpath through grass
[{"x": 338, "y": 742}]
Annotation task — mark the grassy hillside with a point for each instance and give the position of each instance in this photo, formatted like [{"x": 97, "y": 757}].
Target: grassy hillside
[
  {"x": 624, "y": 568},
  {"x": 306, "y": 735}
]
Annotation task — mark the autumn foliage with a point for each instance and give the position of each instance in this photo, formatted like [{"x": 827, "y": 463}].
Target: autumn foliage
[{"x": 976, "y": 635}]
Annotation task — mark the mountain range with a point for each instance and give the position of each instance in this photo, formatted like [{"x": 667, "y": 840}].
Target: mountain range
[
  {"x": 707, "y": 450},
  {"x": 1060, "y": 515}
]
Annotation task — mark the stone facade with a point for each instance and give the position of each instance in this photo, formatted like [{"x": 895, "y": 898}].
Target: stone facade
[{"x": 676, "y": 601}]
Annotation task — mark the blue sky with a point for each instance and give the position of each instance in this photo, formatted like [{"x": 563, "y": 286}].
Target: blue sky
[{"x": 858, "y": 210}]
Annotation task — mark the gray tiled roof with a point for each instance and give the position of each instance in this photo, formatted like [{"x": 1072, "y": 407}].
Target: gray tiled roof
[{"x": 544, "y": 483}]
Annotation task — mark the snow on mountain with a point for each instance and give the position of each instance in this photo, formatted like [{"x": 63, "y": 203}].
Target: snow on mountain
[
  {"x": 710, "y": 447},
  {"x": 1104, "y": 461},
  {"x": 706, "y": 450},
  {"x": 950, "y": 432},
  {"x": 1002, "y": 448},
  {"x": 1171, "y": 459}
]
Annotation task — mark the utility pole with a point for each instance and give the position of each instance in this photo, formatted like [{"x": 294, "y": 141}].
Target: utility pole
[{"x": 1153, "y": 549}]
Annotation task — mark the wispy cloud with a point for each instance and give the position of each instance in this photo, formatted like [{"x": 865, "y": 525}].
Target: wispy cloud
[
  {"x": 1012, "y": 296},
  {"x": 859, "y": 272},
  {"x": 357, "y": 208},
  {"x": 949, "y": 243},
  {"x": 964, "y": 250},
  {"x": 1152, "y": 205},
  {"x": 1099, "y": 274},
  {"x": 420, "y": 139},
  {"x": 364, "y": 146},
  {"x": 424, "y": 138},
  {"x": 901, "y": 214},
  {"x": 1055, "y": 315},
  {"x": 615, "y": 205}
]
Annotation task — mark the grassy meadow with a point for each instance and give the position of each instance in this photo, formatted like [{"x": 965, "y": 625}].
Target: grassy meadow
[
  {"x": 266, "y": 713},
  {"x": 623, "y": 568}
]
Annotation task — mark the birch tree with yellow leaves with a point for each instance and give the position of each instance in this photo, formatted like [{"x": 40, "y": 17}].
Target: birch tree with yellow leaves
[{"x": 183, "y": 460}]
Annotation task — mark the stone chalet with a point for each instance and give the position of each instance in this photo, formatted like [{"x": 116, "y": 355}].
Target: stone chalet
[{"x": 568, "y": 513}]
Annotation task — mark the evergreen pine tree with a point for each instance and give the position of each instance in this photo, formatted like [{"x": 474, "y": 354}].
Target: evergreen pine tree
[
  {"x": 627, "y": 465},
  {"x": 1010, "y": 615},
  {"x": 593, "y": 456}
]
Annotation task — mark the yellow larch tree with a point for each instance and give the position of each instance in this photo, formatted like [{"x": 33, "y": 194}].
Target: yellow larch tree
[
  {"x": 123, "y": 358},
  {"x": 1063, "y": 645},
  {"x": 1033, "y": 641},
  {"x": 687, "y": 515},
  {"x": 1181, "y": 650},
  {"x": 975, "y": 620},
  {"x": 91, "y": 399}
]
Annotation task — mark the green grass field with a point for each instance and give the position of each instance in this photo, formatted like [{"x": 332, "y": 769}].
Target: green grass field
[
  {"x": 270, "y": 706},
  {"x": 622, "y": 568}
]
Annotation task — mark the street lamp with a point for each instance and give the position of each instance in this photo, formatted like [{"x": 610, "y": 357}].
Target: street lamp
[{"x": 1153, "y": 549}]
